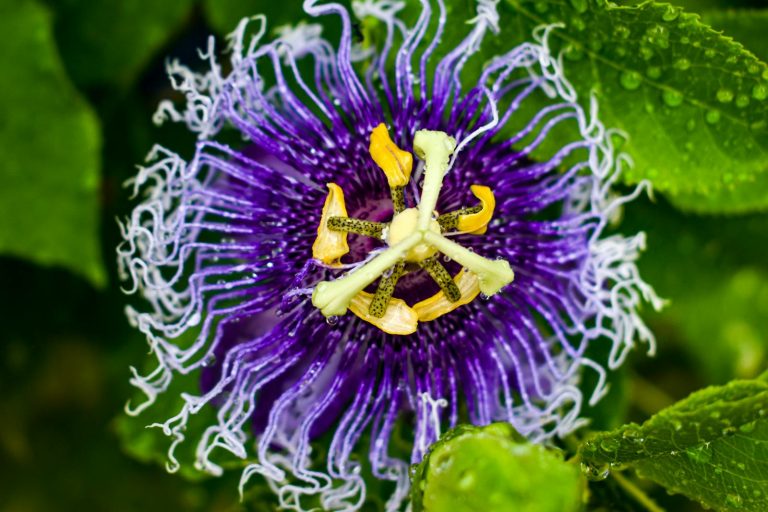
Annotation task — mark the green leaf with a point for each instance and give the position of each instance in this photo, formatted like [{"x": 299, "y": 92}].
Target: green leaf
[
  {"x": 714, "y": 273},
  {"x": 224, "y": 15},
  {"x": 747, "y": 26},
  {"x": 474, "y": 469},
  {"x": 711, "y": 446},
  {"x": 111, "y": 42},
  {"x": 51, "y": 143},
  {"x": 690, "y": 98},
  {"x": 150, "y": 444}
]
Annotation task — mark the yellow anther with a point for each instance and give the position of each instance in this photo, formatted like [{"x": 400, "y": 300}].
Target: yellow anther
[
  {"x": 477, "y": 223},
  {"x": 399, "y": 319},
  {"x": 438, "y": 304},
  {"x": 395, "y": 162},
  {"x": 331, "y": 245}
]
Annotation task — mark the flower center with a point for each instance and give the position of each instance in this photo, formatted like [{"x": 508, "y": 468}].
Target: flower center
[
  {"x": 414, "y": 236},
  {"x": 403, "y": 225}
]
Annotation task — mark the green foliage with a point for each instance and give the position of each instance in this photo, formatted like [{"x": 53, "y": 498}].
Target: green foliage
[
  {"x": 224, "y": 15},
  {"x": 747, "y": 26},
  {"x": 711, "y": 446},
  {"x": 474, "y": 469},
  {"x": 51, "y": 142},
  {"x": 111, "y": 42},
  {"x": 714, "y": 274},
  {"x": 692, "y": 100}
]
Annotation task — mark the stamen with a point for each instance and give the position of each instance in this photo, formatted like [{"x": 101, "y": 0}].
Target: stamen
[
  {"x": 441, "y": 276},
  {"x": 493, "y": 274},
  {"x": 400, "y": 319},
  {"x": 357, "y": 226},
  {"x": 477, "y": 222},
  {"x": 398, "y": 199},
  {"x": 385, "y": 290},
  {"x": 333, "y": 297},
  {"x": 330, "y": 245},
  {"x": 435, "y": 148},
  {"x": 450, "y": 221},
  {"x": 396, "y": 163},
  {"x": 438, "y": 304}
]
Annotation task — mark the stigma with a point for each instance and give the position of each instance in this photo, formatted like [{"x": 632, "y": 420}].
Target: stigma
[{"x": 414, "y": 238}]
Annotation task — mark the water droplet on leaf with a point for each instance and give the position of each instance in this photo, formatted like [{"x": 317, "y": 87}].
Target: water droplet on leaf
[
  {"x": 724, "y": 95},
  {"x": 672, "y": 98},
  {"x": 630, "y": 80}
]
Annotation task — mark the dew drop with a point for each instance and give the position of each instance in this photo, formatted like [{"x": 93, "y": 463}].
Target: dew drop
[
  {"x": 724, "y": 95},
  {"x": 672, "y": 98},
  {"x": 609, "y": 445},
  {"x": 332, "y": 320},
  {"x": 579, "y": 5},
  {"x": 734, "y": 500},
  {"x": 742, "y": 100},
  {"x": 670, "y": 14},
  {"x": 699, "y": 454},
  {"x": 760, "y": 92},
  {"x": 712, "y": 116},
  {"x": 682, "y": 64},
  {"x": 653, "y": 72},
  {"x": 630, "y": 80},
  {"x": 621, "y": 31},
  {"x": 747, "y": 427}
]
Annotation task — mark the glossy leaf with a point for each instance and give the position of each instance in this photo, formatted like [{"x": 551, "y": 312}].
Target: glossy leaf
[
  {"x": 51, "y": 143},
  {"x": 711, "y": 446},
  {"x": 492, "y": 468},
  {"x": 690, "y": 98},
  {"x": 111, "y": 42}
]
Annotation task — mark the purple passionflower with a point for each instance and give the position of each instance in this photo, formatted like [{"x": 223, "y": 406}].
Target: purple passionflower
[{"x": 399, "y": 237}]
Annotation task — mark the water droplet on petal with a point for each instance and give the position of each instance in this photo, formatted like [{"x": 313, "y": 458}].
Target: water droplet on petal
[{"x": 332, "y": 320}]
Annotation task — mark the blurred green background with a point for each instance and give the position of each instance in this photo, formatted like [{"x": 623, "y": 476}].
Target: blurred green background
[{"x": 79, "y": 85}]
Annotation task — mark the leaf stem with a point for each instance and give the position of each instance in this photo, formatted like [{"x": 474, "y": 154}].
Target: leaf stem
[{"x": 637, "y": 493}]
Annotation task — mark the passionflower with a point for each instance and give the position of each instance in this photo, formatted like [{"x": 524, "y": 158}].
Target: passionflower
[{"x": 400, "y": 235}]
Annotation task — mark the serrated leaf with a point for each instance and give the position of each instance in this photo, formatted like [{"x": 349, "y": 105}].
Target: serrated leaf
[
  {"x": 690, "y": 98},
  {"x": 473, "y": 469},
  {"x": 747, "y": 26},
  {"x": 711, "y": 446},
  {"x": 111, "y": 42},
  {"x": 51, "y": 143}
]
